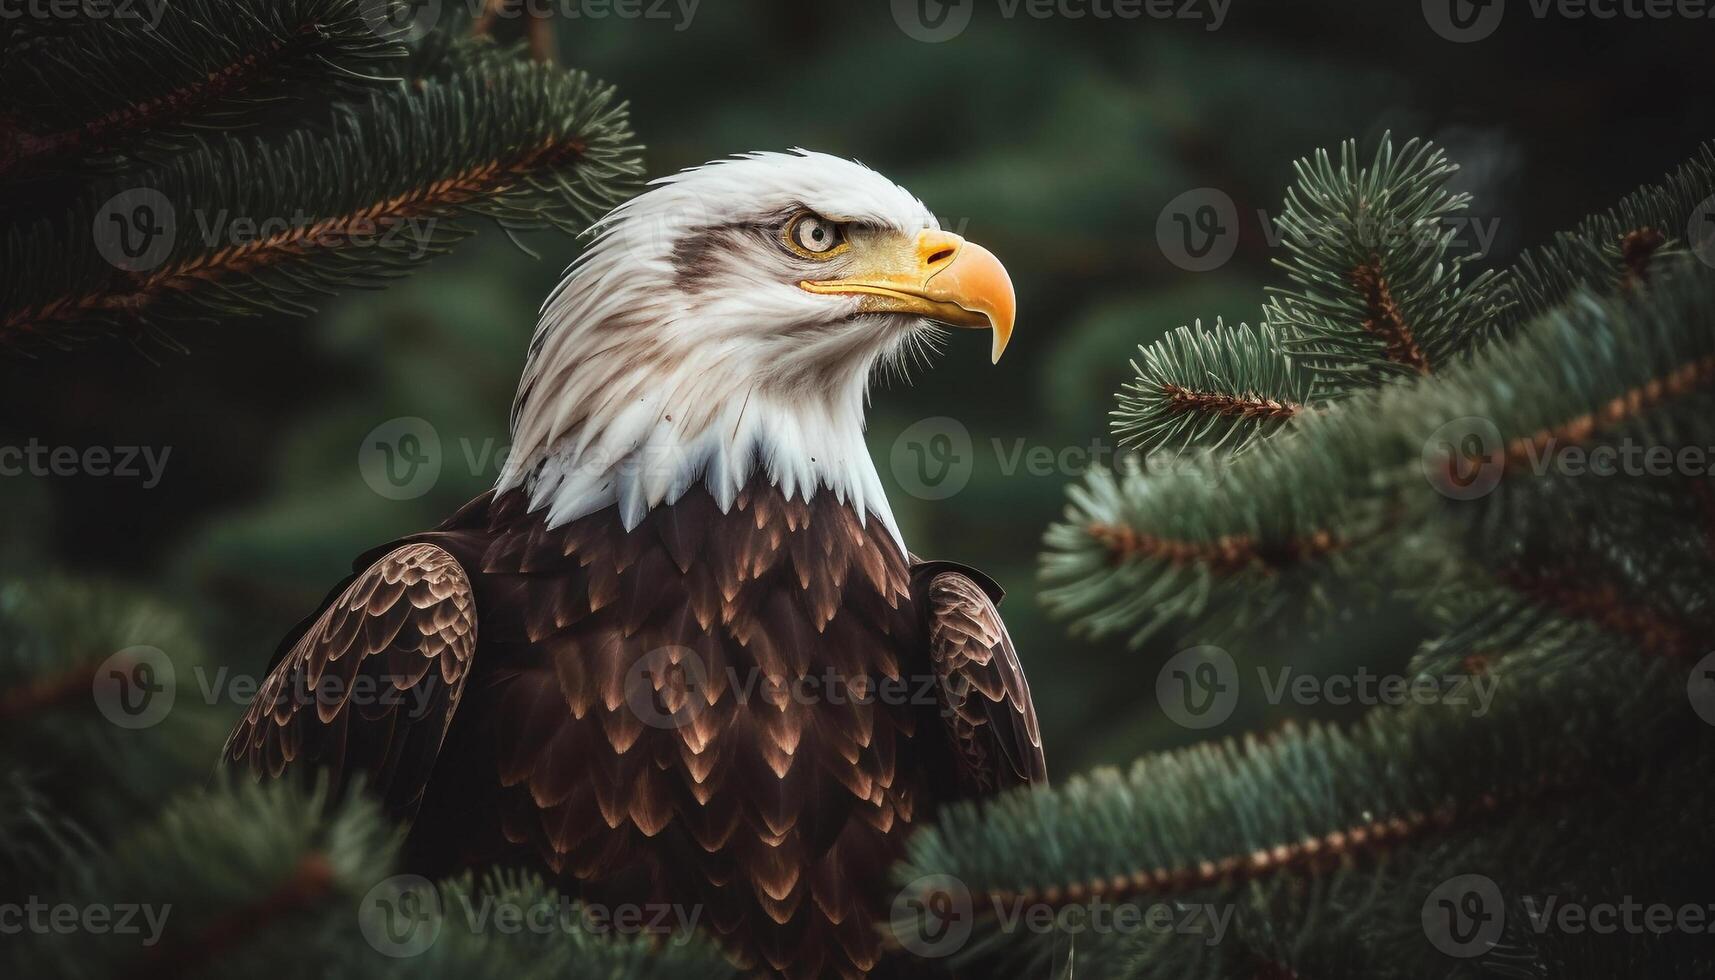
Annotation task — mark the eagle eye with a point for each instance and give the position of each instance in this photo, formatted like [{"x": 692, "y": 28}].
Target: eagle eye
[{"x": 813, "y": 236}]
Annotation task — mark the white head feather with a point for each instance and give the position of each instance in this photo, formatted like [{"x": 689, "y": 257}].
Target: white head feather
[{"x": 679, "y": 349}]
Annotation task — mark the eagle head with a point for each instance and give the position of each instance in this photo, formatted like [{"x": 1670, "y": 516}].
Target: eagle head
[{"x": 725, "y": 323}]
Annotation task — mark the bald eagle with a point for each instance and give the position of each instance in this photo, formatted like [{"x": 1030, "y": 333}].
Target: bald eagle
[{"x": 681, "y": 653}]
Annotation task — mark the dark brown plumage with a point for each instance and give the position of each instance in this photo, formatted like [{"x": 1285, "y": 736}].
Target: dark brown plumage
[{"x": 673, "y": 714}]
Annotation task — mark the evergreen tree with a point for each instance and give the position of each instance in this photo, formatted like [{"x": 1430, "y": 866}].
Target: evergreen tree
[{"x": 1393, "y": 427}]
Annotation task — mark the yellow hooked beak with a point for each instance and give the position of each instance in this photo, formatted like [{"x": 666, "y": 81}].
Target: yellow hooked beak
[{"x": 940, "y": 276}]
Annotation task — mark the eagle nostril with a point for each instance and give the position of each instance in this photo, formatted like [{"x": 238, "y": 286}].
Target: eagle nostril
[{"x": 941, "y": 256}]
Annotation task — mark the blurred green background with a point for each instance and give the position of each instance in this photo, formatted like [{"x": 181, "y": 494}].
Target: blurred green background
[{"x": 1057, "y": 142}]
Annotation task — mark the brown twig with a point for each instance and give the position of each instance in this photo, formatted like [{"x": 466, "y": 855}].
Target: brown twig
[
  {"x": 1182, "y": 399},
  {"x": 23, "y": 147},
  {"x": 1386, "y": 320},
  {"x": 304, "y": 888},
  {"x": 1637, "y": 247},
  {"x": 1311, "y": 854},
  {"x": 140, "y": 291},
  {"x": 1603, "y": 605},
  {"x": 42, "y": 693},
  {"x": 1228, "y": 553}
]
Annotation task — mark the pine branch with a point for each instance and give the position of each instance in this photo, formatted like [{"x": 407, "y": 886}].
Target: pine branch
[
  {"x": 1378, "y": 298},
  {"x": 268, "y": 879},
  {"x": 107, "y": 85},
  {"x": 55, "y": 731},
  {"x": 253, "y": 876},
  {"x": 1377, "y": 472},
  {"x": 1215, "y": 389},
  {"x": 1373, "y": 254},
  {"x": 1349, "y": 830},
  {"x": 39, "y": 837},
  {"x": 1617, "y": 248},
  {"x": 1587, "y": 565},
  {"x": 527, "y": 147}
]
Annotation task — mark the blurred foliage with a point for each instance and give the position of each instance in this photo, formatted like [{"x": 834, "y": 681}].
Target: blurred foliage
[{"x": 1056, "y": 143}]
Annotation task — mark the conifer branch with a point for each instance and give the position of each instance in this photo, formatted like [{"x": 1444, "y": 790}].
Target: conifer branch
[
  {"x": 54, "y": 637},
  {"x": 303, "y": 889},
  {"x": 1383, "y": 318},
  {"x": 250, "y": 871},
  {"x": 1587, "y": 256},
  {"x": 1368, "y": 473},
  {"x": 1633, "y": 403},
  {"x": 1637, "y": 247},
  {"x": 1212, "y": 389},
  {"x": 1225, "y": 555},
  {"x": 1245, "y": 406},
  {"x": 35, "y": 694},
  {"x": 119, "y": 84},
  {"x": 1566, "y": 592},
  {"x": 1319, "y": 818},
  {"x": 527, "y": 147},
  {"x": 1374, "y": 256}
]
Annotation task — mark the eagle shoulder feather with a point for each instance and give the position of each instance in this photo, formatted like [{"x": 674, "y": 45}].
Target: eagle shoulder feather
[
  {"x": 990, "y": 718},
  {"x": 368, "y": 686}
]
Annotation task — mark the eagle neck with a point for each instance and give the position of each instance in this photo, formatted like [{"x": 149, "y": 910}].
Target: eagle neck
[{"x": 654, "y": 439}]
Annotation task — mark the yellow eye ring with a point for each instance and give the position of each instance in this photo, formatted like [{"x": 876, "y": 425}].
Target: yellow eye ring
[{"x": 812, "y": 236}]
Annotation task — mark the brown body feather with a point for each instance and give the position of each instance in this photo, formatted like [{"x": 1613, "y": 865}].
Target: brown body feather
[{"x": 736, "y": 715}]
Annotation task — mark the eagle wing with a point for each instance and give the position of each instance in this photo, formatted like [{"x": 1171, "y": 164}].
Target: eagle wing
[
  {"x": 370, "y": 686},
  {"x": 985, "y": 700}
]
